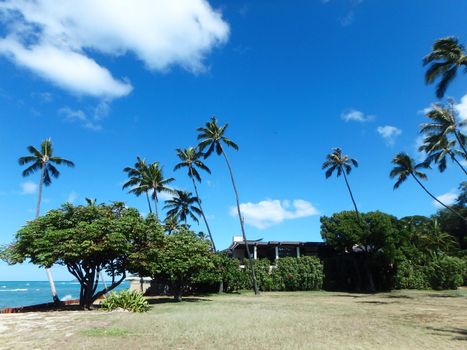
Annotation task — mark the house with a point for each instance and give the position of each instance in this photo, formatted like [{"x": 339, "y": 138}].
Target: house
[{"x": 274, "y": 250}]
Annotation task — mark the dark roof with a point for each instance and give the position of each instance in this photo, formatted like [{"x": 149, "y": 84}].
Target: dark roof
[{"x": 274, "y": 244}]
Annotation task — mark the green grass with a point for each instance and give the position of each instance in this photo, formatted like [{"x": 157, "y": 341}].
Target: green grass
[{"x": 276, "y": 320}]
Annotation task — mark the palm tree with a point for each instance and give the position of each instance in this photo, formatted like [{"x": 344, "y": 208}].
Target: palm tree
[
  {"x": 170, "y": 224},
  {"x": 342, "y": 164},
  {"x": 405, "y": 167},
  {"x": 182, "y": 206},
  {"x": 212, "y": 138},
  {"x": 153, "y": 181},
  {"x": 135, "y": 175},
  {"x": 44, "y": 161},
  {"x": 446, "y": 56},
  {"x": 437, "y": 151},
  {"x": 444, "y": 123},
  {"x": 191, "y": 159}
]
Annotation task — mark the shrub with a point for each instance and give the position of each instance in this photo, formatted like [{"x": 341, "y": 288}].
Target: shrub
[
  {"x": 233, "y": 277},
  {"x": 263, "y": 275},
  {"x": 446, "y": 272},
  {"x": 132, "y": 301},
  {"x": 410, "y": 276},
  {"x": 304, "y": 273}
]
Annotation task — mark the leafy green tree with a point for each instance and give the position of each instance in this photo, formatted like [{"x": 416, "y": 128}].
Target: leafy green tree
[
  {"x": 183, "y": 258},
  {"x": 153, "y": 180},
  {"x": 444, "y": 123},
  {"x": 211, "y": 139},
  {"x": 136, "y": 175},
  {"x": 445, "y": 58},
  {"x": 44, "y": 161},
  {"x": 191, "y": 158},
  {"x": 182, "y": 206},
  {"x": 405, "y": 168},
  {"x": 85, "y": 239},
  {"x": 342, "y": 165},
  {"x": 170, "y": 224},
  {"x": 373, "y": 240}
]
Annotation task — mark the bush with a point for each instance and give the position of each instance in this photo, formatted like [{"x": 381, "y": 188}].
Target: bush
[
  {"x": 446, "y": 272},
  {"x": 132, "y": 301},
  {"x": 233, "y": 277},
  {"x": 410, "y": 276},
  {"x": 292, "y": 274},
  {"x": 263, "y": 275}
]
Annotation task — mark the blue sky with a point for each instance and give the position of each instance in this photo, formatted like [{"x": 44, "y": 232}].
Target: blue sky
[{"x": 291, "y": 81}]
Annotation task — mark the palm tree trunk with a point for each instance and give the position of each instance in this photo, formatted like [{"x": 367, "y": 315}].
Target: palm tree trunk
[
  {"x": 38, "y": 209},
  {"x": 202, "y": 211},
  {"x": 250, "y": 260},
  {"x": 351, "y": 195},
  {"x": 436, "y": 199},
  {"x": 457, "y": 162},
  {"x": 460, "y": 143},
  {"x": 149, "y": 202},
  {"x": 155, "y": 205}
]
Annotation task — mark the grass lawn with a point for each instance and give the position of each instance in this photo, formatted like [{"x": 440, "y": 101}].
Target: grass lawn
[{"x": 276, "y": 320}]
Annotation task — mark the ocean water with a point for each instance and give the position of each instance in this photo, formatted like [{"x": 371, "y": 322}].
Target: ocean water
[{"x": 24, "y": 293}]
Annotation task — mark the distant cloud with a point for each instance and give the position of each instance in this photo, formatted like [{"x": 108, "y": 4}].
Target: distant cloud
[
  {"x": 53, "y": 39},
  {"x": 270, "y": 212},
  {"x": 389, "y": 133},
  {"x": 72, "y": 197},
  {"x": 356, "y": 116},
  {"x": 29, "y": 187},
  {"x": 348, "y": 19},
  {"x": 461, "y": 108},
  {"x": 448, "y": 198},
  {"x": 89, "y": 120}
]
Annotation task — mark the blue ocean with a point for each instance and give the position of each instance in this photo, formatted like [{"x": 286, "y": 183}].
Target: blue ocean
[{"x": 24, "y": 293}]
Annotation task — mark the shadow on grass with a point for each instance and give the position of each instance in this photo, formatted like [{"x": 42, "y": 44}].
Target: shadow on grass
[
  {"x": 377, "y": 302},
  {"x": 391, "y": 296},
  {"x": 457, "y": 333},
  {"x": 444, "y": 296},
  {"x": 165, "y": 300}
]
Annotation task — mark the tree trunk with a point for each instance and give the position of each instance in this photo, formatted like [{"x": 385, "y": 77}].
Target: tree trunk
[
  {"x": 202, "y": 211},
  {"x": 155, "y": 205},
  {"x": 351, "y": 194},
  {"x": 460, "y": 143},
  {"x": 457, "y": 162},
  {"x": 436, "y": 199},
  {"x": 149, "y": 202},
  {"x": 55, "y": 298},
  {"x": 250, "y": 260}
]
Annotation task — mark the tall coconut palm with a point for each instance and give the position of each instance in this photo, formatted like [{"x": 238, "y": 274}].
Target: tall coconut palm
[
  {"x": 153, "y": 181},
  {"x": 135, "y": 179},
  {"x": 342, "y": 165},
  {"x": 446, "y": 56},
  {"x": 445, "y": 123},
  {"x": 212, "y": 138},
  {"x": 405, "y": 167},
  {"x": 191, "y": 159},
  {"x": 182, "y": 206},
  {"x": 438, "y": 150},
  {"x": 44, "y": 162}
]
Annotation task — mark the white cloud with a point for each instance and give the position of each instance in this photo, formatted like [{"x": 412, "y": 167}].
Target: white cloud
[
  {"x": 448, "y": 199},
  {"x": 89, "y": 120},
  {"x": 356, "y": 116},
  {"x": 273, "y": 212},
  {"x": 389, "y": 133},
  {"x": 29, "y": 187},
  {"x": 54, "y": 39},
  {"x": 164, "y": 196},
  {"x": 72, "y": 197}
]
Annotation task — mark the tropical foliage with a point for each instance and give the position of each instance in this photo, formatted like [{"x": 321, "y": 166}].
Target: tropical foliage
[
  {"x": 182, "y": 206},
  {"x": 127, "y": 300}
]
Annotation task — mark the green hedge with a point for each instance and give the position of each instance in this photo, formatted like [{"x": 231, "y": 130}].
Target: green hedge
[
  {"x": 441, "y": 272},
  {"x": 304, "y": 273}
]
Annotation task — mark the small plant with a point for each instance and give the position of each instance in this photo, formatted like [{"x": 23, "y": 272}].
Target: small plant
[{"x": 132, "y": 301}]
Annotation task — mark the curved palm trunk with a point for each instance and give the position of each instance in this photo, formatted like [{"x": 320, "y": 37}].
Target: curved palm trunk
[
  {"x": 453, "y": 157},
  {"x": 38, "y": 209},
  {"x": 250, "y": 260},
  {"x": 202, "y": 211},
  {"x": 351, "y": 194},
  {"x": 436, "y": 199},
  {"x": 460, "y": 143},
  {"x": 149, "y": 202}
]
